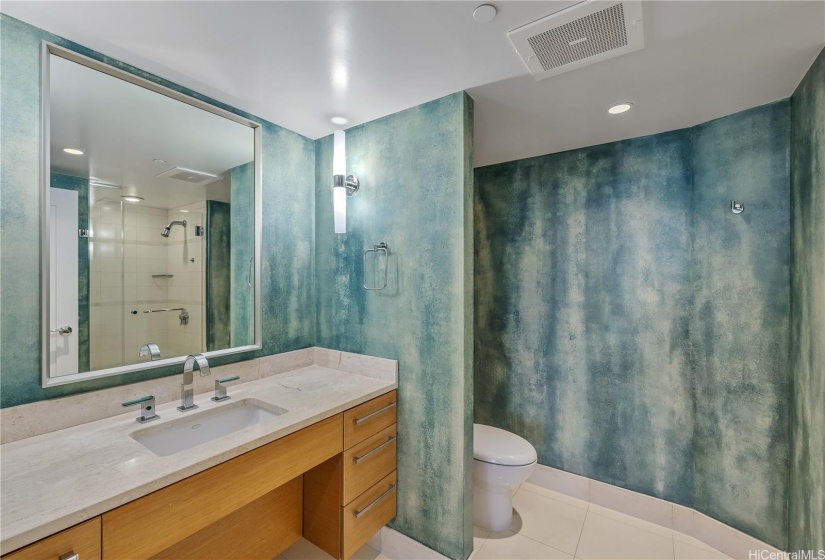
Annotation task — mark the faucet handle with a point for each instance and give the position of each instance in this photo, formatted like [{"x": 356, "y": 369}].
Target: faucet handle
[
  {"x": 147, "y": 408},
  {"x": 220, "y": 388}
]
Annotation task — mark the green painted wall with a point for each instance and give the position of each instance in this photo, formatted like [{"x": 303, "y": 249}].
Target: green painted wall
[
  {"x": 218, "y": 275},
  {"x": 242, "y": 254},
  {"x": 740, "y": 330},
  {"x": 633, "y": 328},
  {"x": 807, "y": 492},
  {"x": 288, "y": 287},
  {"x": 414, "y": 167}
]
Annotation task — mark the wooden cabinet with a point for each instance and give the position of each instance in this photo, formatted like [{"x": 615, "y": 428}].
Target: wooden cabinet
[
  {"x": 147, "y": 526},
  {"x": 362, "y": 479},
  {"x": 332, "y": 482},
  {"x": 368, "y": 462},
  {"x": 82, "y": 540},
  {"x": 365, "y": 420},
  {"x": 366, "y": 514}
]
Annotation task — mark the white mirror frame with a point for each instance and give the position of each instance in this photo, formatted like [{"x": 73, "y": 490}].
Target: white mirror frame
[{"x": 45, "y": 175}]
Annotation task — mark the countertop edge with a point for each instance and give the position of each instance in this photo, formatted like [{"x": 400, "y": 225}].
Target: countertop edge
[{"x": 13, "y": 542}]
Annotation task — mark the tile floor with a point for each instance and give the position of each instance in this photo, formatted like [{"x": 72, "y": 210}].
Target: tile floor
[
  {"x": 548, "y": 526},
  {"x": 305, "y": 550}
]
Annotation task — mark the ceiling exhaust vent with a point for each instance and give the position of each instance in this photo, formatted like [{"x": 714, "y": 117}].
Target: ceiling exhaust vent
[
  {"x": 578, "y": 36},
  {"x": 189, "y": 176}
]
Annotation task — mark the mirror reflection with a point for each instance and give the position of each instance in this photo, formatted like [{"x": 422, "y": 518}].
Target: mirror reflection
[{"x": 151, "y": 225}]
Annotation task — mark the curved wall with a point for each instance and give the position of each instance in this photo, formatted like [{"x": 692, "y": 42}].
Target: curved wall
[{"x": 632, "y": 327}]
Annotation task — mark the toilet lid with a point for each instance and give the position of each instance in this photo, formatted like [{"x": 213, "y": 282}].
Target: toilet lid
[{"x": 501, "y": 447}]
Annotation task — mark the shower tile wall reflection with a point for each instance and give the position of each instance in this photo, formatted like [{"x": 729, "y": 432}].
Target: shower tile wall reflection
[
  {"x": 133, "y": 269},
  {"x": 106, "y": 272}
]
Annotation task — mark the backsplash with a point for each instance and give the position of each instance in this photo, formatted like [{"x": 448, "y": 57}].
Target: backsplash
[
  {"x": 633, "y": 328},
  {"x": 42, "y": 417}
]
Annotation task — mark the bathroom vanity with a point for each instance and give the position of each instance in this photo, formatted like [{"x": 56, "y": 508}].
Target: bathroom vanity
[{"x": 324, "y": 468}]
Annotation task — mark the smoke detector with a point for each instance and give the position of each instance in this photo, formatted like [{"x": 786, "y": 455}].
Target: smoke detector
[
  {"x": 584, "y": 34},
  {"x": 189, "y": 176}
]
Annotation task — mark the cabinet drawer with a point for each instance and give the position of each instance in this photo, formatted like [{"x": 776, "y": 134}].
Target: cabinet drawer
[
  {"x": 83, "y": 540},
  {"x": 365, "y": 515},
  {"x": 369, "y": 418},
  {"x": 368, "y": 462}
]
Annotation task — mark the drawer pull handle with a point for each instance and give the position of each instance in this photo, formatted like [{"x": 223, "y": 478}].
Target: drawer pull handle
[
  {"x": 358, "y": 514},
  {"x": 71, "y": 555},
  {"x": 376, "y": 450},
  {"x": 376, "y": 413}
]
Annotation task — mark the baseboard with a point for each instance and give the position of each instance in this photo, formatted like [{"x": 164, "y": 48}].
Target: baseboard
[
  {"x": 724, "y": 538},
  {"x": 399, "y": 546}
]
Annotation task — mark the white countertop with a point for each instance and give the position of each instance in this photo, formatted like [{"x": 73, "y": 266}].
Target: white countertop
[{"x": 53, "y": 481}]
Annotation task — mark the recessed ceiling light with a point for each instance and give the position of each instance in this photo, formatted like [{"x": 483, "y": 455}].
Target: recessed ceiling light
[
  {"x": 183, "y": 210},
  {"x": 73, "y": 151},
  {"x": 485, "y": 13},
  {"x": 339, "y": 120},
  {"x": 620, "y": 108},
  {"x": 132, "y": 198},
  {"x": 159, "y": 161}
]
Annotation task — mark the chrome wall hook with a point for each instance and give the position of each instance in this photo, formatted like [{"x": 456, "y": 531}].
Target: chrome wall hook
[{"x": 736, "y": 207}]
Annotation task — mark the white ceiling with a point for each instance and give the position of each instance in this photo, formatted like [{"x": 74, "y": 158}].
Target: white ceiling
[
  {"x": 122, "y": 128},
  {"x": 299, "y": 63}
]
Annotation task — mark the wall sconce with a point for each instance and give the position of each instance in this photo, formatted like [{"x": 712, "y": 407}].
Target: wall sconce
[{"x": 343, "y": 185}]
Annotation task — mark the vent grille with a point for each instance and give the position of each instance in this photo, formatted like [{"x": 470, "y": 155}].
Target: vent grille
[
  {"x": 582, "y": 38},
  {"x": 189, "y": 176},
  {"x": 584, "y": 34}
]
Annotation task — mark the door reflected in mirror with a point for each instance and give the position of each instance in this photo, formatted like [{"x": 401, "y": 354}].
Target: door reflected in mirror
[{"x": 152, "y": 205}]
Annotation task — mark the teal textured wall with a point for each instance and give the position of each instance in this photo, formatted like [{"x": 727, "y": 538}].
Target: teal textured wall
[
  {"x": 628, "y": 324},
  {"x": 242, "y": 210},
  {"x": 218, "y": 275},
  {"x": 81, "y": 186},
  {"x": 288, "y": 289},
  {"x": 741, "y": 319},
  {"x": 414, "y": 167},
  {"x": 807, "y": 494}
]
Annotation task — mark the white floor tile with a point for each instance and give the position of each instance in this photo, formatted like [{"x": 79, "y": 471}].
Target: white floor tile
[
  {"x": 689, "y": 552},
  {"x": 604, "y": 538},
  {"x": 630, "y": 520},
  {"x": 555, "y": 495},
  {"x": 305, "y": 550},
  {"x": 692, "y": 541},
  {"x": 554, "y": 523},
  {"x": 479, "y": 536},
  {"x": 510, "y": 546}
]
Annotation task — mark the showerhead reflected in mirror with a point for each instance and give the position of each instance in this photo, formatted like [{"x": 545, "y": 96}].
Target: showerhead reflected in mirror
[{"x": 166, "y": 188}]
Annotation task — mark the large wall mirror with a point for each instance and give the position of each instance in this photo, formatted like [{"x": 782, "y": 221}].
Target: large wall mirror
[{"x": 151, "y": 223}]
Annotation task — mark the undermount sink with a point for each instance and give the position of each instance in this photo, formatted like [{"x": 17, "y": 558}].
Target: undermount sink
[{"x": 200, "y": 427}]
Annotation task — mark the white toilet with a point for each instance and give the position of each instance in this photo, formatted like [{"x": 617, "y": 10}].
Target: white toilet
[{"x": 501, "y": 460}]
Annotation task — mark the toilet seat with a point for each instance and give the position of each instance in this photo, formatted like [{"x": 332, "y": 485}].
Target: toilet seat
[{"x": 500, "y": 447}]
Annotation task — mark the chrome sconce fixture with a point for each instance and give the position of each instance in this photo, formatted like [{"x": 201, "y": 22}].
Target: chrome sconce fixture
[{"x": 343, "y": 185}]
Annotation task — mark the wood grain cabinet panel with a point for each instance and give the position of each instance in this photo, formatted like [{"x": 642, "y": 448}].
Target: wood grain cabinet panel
[
  {"x": 150, "y": 525},
  {"x": 368, "y": 419},
  {"x": 365, "y": 515},
  {"x": 83, "y": 540},
  {"x": 368, "y": 462},
  {"x": 322, "y": 509},
  {"x": 259, "y": 531}
]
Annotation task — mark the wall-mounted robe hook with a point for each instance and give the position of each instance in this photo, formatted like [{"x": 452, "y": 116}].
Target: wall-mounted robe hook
[{"x": 736, "y": 207}]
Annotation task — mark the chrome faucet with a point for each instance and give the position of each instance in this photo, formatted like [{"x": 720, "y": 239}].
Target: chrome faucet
[{"x": 187, "y": 388}]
